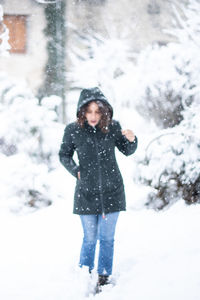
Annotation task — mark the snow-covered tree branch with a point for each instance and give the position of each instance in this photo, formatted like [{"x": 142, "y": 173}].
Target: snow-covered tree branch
[{"x": 4, "y": 35}]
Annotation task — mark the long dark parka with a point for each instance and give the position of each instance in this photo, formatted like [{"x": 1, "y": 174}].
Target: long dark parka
[{"x": 100, "y": 189}]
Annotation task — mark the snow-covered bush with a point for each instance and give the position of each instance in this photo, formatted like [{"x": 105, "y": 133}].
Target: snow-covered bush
[
  {"x": 26, "y": 126},
  {"x": 163, "y": 84},
  {"x": 171, "y": 162},
  {"x": 169, "y": 75},
  {"x": 29, "y": 142},
  {"x": 168, "y": 82},
  {"x": 171, "y": 96}
]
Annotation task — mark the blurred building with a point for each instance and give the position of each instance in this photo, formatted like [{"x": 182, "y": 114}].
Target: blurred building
[
  {"x": 140, "y": 22},
  {"x": 26, "y": 21}
]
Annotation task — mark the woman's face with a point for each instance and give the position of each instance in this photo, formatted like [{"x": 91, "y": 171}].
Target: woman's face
[{"x": 93, "y": 114}]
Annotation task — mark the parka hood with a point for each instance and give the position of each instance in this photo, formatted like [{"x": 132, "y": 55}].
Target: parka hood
[{"x": 92, "y": 94}]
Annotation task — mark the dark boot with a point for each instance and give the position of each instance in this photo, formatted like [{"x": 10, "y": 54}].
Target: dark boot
[{"x": 102, "y": 280}]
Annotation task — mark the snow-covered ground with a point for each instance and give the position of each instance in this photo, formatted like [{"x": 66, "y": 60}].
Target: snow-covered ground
[{"x": 157, "y": 254}]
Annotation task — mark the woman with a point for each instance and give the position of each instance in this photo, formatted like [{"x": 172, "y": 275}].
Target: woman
[{"x": 99, "y": 193}]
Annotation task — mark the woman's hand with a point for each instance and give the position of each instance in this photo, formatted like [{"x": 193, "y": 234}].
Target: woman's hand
[
  {"x": 79, "y": 175},
  {"x": 129, "y": 134}
]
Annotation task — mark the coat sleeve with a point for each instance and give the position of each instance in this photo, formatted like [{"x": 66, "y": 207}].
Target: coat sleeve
[
  {"x": 122, "y": 143},
  {"x": 67, "y": 151}
]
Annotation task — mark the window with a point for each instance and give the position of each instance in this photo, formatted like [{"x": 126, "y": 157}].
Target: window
[{"x": 17, "y": 32}]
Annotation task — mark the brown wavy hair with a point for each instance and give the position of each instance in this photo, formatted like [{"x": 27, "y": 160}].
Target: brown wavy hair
[{"x": 105, "y": 112}]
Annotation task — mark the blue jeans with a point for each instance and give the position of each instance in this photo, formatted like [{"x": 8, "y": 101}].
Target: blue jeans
[{"x": 94, "y": 228}]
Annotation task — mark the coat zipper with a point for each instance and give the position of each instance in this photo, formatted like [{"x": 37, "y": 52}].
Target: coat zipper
[{"x": 100, "y": 175}]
